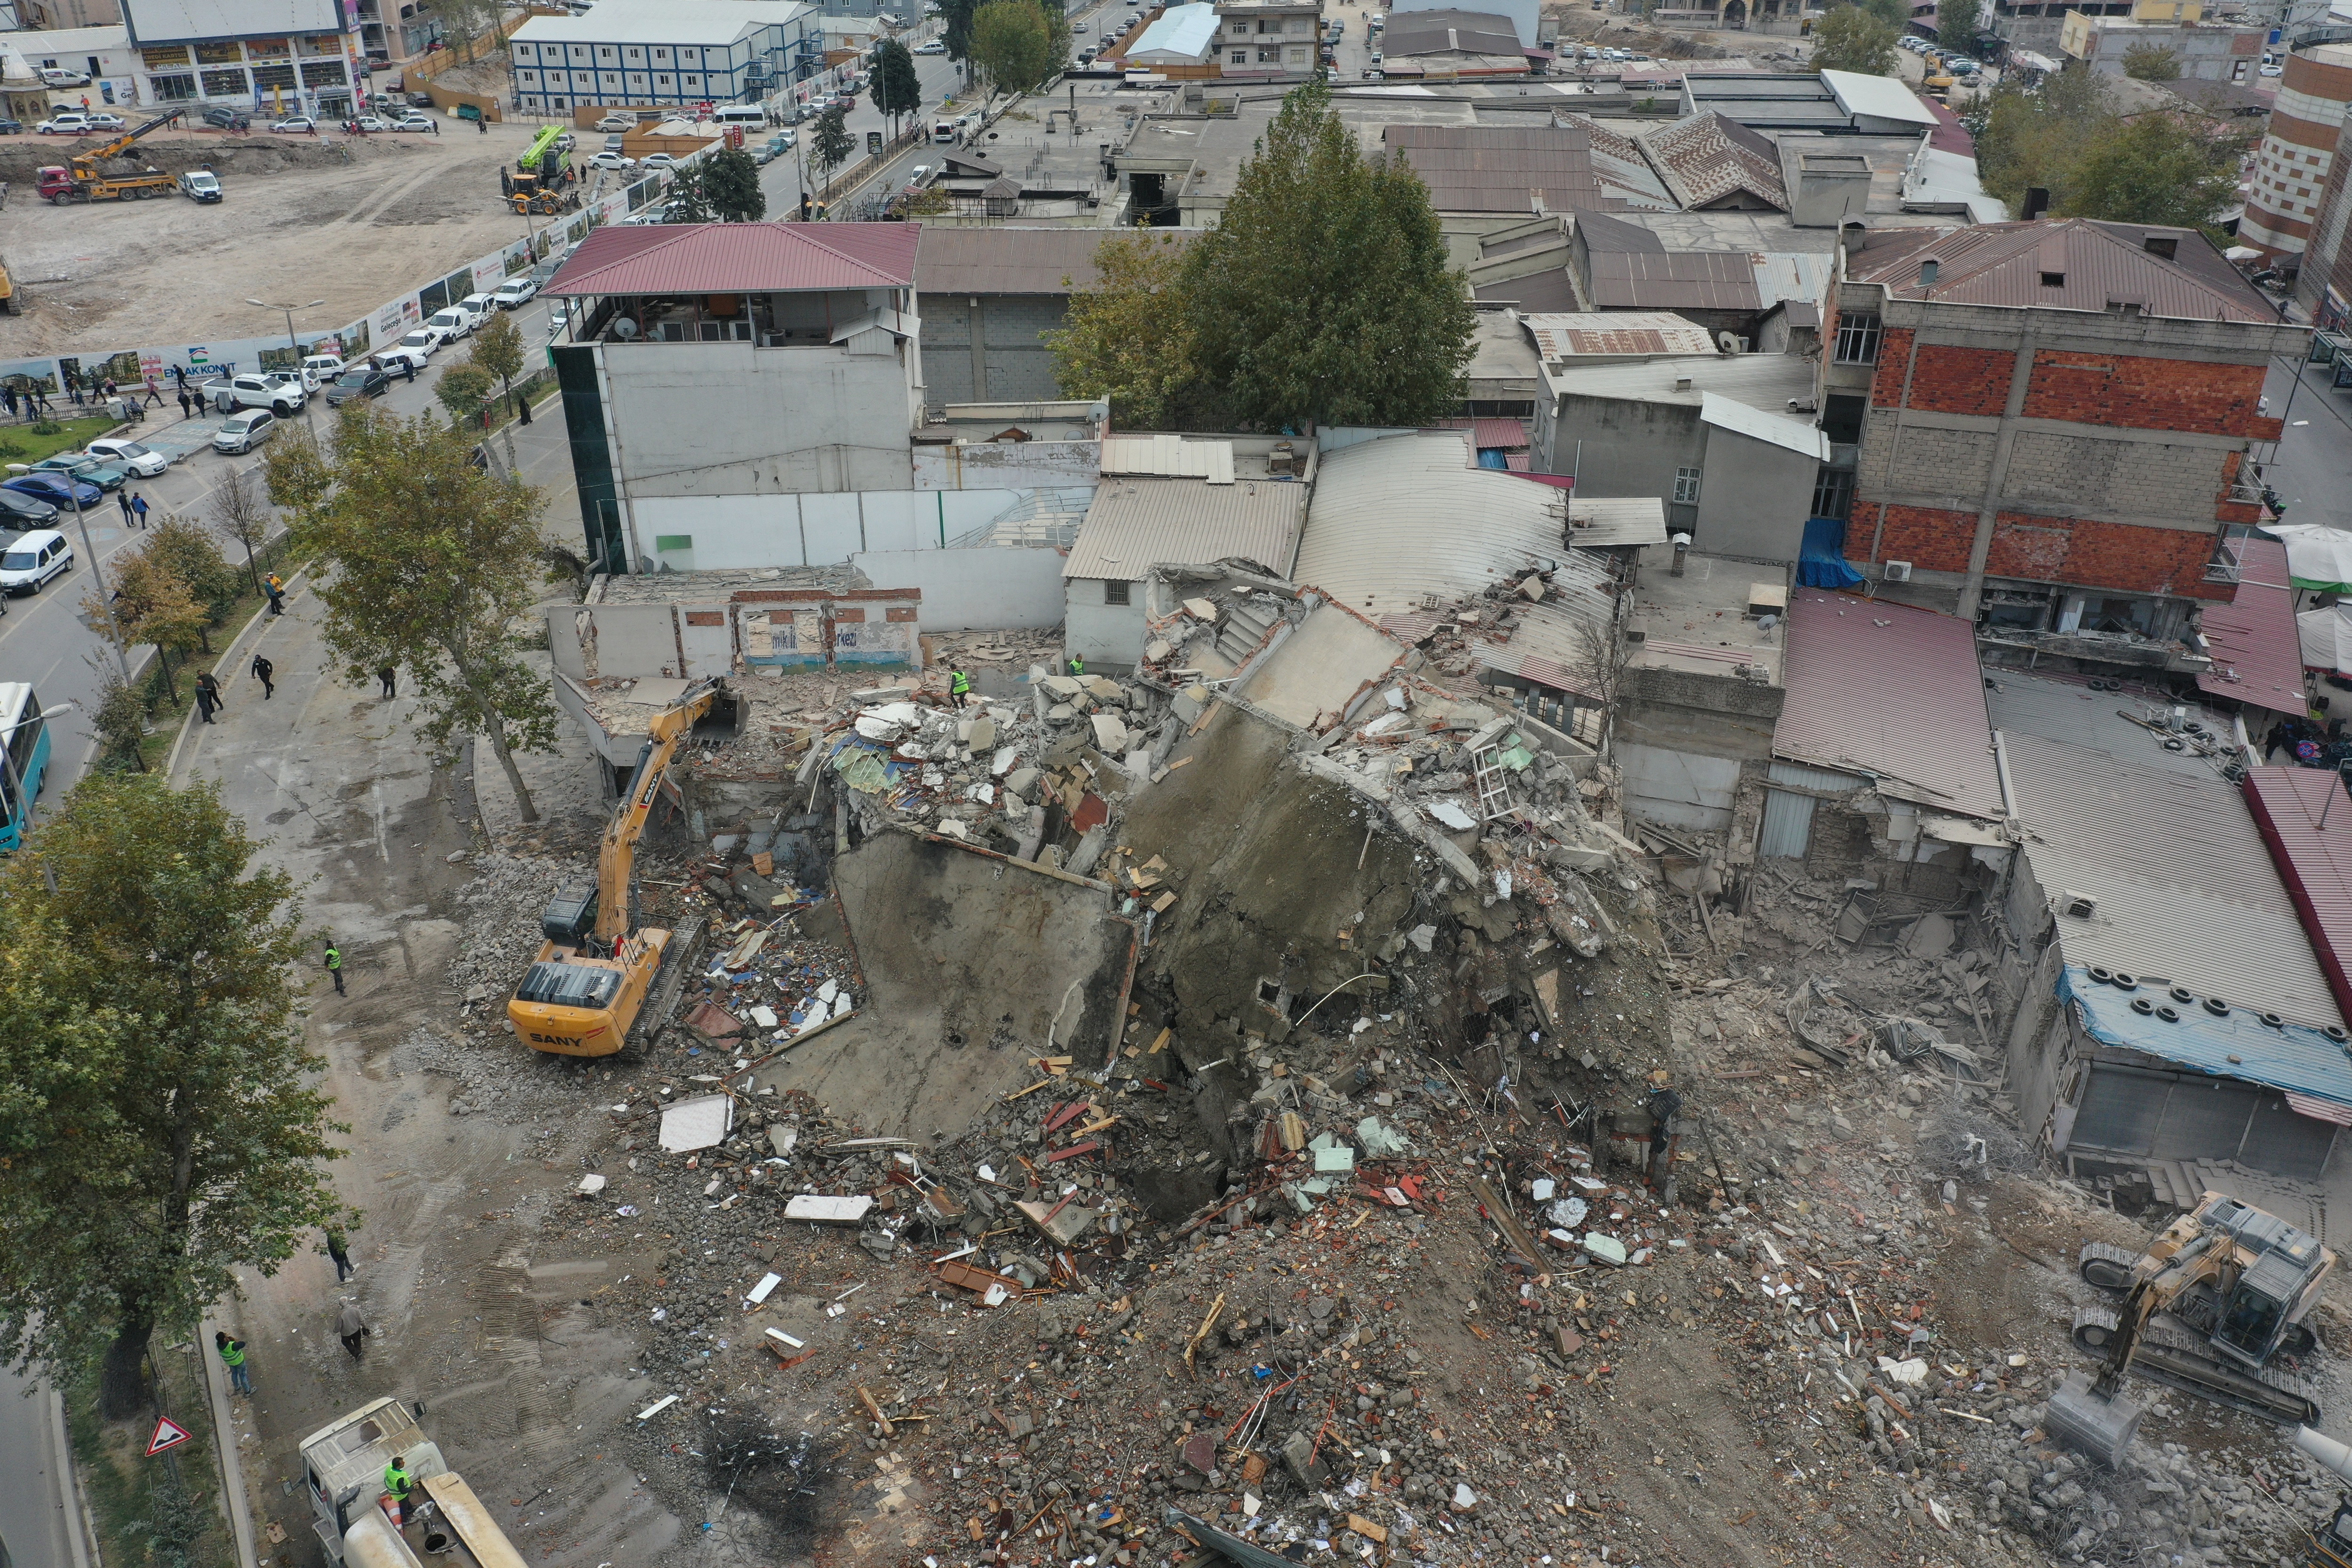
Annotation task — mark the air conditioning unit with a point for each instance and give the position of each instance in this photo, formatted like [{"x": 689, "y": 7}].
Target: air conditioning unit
[
  {"x": 1899, "y": 571},
  {"x": 2077, "y": 906}
]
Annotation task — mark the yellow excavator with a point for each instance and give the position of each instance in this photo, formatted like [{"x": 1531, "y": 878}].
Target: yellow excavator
[
  {"x": 585, "y": 995},
  {"x": 2219, "y": 1293}
]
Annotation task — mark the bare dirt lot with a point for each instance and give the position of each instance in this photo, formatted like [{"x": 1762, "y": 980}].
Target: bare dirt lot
[{"x": 299, "y": 222}]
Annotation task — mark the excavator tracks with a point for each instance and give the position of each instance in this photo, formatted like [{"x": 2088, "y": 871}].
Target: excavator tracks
[
  {"x": 661, "y": 997},
  {"x": 2172, "y": 1355},
  {"x": 2108, "y": 1267}
]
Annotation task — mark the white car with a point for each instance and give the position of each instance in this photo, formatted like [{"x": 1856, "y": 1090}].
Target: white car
[
  {"x": 514, "y": 293},
  {"x": 611, "y": 161},
  {"x": 296, "y": 125},
  {"x": 72, "y": 122},
  {"x": 373, "y": 122},
  {"x": 1078, "y": 28},
  {"x": 617, "y": 123},
  {"x": 933, "y": 47},
  {"x": 479, "y": 305},
  {"x": 559, "y": 315},
  {"x": 244, "y": 431},
  {"x": 406, "y": 353},
  {"x": 58, "y": 76},
  {"x": 660, "y": 161},
  {"x": 420, "y": 344},
  {"x": 265, "y": 389},
  {"x": 2273, "y": 70},
  {"x": 130, "y": 455},
  {"x": 34, "y": 558},
  {"x": 455, "y": 322},
  {"x": 320, "y": 370},
  {"x": 414, "y": 122}
]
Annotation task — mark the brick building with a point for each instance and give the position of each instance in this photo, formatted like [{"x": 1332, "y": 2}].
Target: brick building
[
  {"x": 2051, "y": 419},
  {"x": 2297, "y": 155}
]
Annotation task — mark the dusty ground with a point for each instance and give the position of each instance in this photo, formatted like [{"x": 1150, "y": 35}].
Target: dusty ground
[{"x": 297, "y": 223}]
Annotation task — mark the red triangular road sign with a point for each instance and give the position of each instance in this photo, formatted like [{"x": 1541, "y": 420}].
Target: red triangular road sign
[{"x": 169, "y": 1433}]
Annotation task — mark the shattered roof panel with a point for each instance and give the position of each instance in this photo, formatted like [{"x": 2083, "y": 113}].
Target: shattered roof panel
[
  {"x": 1135, "y": 524},
  {"x": 1892, "y": 691},
  {"x": 1621, "y": 170},
  {"x": 1708, "y": 157},
  {"x": 1617, "y": 334}
]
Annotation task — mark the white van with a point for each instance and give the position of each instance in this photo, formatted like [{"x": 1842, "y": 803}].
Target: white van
[
  {"x": 32, "y": 559},
  {"x": 741, "y": 114},
  {"x": 943, "y": 131}
]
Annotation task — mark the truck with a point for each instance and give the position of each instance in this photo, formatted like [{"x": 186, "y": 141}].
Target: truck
[
  {"x": 82, "y": 181},
  {"x": 359, "y": 1524}
]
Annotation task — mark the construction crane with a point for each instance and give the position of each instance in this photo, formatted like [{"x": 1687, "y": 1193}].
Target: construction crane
[
  {"x": 543, "y": 166},
  {"x": 2214, "y": 1298},
  {"x": 83, "y": 182},
  {"x": 584, "y": 995}
]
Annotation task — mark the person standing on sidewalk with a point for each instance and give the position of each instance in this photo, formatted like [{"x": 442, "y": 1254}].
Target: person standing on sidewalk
[
  {"x": 352, "y": 1328},
  {"x": 232, "y": 1354},
  {"x": 263, "y": 671},
  {"x": 339, "y": 1249},
  {"x": 388, "y": 675},
  {"x": 187, "y": 404},
  {"x": 273, "y": 586},
  {"x": 207, "y": 695},
  {"x": 123, "y": 500},
  {"x": 139, "y": 509},
  {"x": 335, "y": 966}
]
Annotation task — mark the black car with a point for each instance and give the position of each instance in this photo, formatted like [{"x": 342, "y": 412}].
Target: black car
[
  {"x": 12, "y": 127},
  {"x": 19, "y": 510},
  {"x": 360, "y": 381},
  {"x": 227, "y": 119}
]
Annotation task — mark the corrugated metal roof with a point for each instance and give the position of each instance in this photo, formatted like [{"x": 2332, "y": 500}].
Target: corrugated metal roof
[
  {"x": 1600, "y": 522},
  {"x": 1740, "y": 419},
  {"x": 1876, "y": 97},
  {"x": 2306, "y": 824},
  {"x": 997, "y": 260},
  {"x": 2295, "y": 1057},
  {"x": 1620, "y": 333},
  {"x": 1178, "y": 33},
  {"x": 1552, "y": 289},
  {"x": 1694, "y": 280},
  {"x": 1500, "y": 168},
  {"x": 2063, "y": 708},
  {"x": 1136, "y": 524},
  {"x": 1765, "y": 380},
  {"x": 1398, "y": 518},
  {"x": 1168, "y": 456},
  {"x": 1619, "y": 168},
  {"x": 2256, "y": 646},
  {"x": 685, "y": 22},
  {"x": 740, "y": 258},
  {"x": 2095, "y": 263},
  {"x": 1550, "y": 644},
  {"x": 1708, "y": 157},
  {"x": 1892, "y": 691},
  {"x": 2183, "y": 890},
  {"x": 1411, "y": 33}
]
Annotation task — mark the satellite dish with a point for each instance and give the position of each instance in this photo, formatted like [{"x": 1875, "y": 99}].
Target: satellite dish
[{"x": 624, "y": 329}]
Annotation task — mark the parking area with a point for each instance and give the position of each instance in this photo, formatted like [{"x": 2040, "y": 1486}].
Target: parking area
[{"x": 352, "y": 221}]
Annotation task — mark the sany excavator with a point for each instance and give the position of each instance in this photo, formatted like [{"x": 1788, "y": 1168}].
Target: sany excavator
[
  {"x": 584, "y": 995},
  {"x": 83, "y": 182},
  {"x": 539, "y": 172},
  {"x": 2223, "y": 1291}
]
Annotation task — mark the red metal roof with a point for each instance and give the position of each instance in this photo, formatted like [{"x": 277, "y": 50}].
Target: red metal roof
[
  {"x": 2257, "y": 648},
  {"x": 2306, "y": 822},
  {"x": 1949, "y": 135},
  {"x": 2071, "y": 264},
  {"x": 740, "y": 259},
  {"x": 1890, "y": 691}
]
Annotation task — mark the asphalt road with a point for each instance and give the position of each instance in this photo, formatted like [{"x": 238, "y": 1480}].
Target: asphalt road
[
  {"x": 785, "y": 179},
  {"x": 36, "y": 1522},
  {"x": 2313, "y": 469},
  {"x": 46, "y": 637}
]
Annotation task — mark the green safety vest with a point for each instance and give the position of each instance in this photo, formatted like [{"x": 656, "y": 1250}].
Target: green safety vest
[
  {"x": 334, "y": 958},
  {"x": 397, "y": 1481},
  {"x": 1077, "y": 666},
  {"x": 960, "y": 684},
  {"x": 233, "y": 1353}
]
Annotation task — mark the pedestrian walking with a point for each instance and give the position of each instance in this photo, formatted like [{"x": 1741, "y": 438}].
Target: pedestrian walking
[
  {"x": 407, "y": 368},
  {"x": 276, "y": 590},
  {"x": 73, "y": 392},
  {"x": 208, "y": 700},
  {"x": 265, "y": 672},
  {"x": 154, "y": 394},
  {"x": 350, "y": 1327},
  {"x": 187, "y": 405},
  {"x": 335, "y": 1250},
  {"x": 8, "y": 400},
  {"x": 123, "y": 500},
  {"x": 388, "y": 676},
  {"x": 107, "y": 387},
  {"x": 335, "y": 967},
  {"x": 482, "y": 124},
  {"x": 436, "y": 128},
  {"x": 139, "y": 508},
  {"x": 232, "y": 1354},
  {"x": 180, "y": 376}
]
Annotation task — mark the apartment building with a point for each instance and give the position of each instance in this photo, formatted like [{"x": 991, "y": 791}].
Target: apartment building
[
  {"x": 291, "y": 57},
  {"x": 2053, "y": 416},
  {"x": 655, "y": 52},
  {"x": 2205, "y": 51},
  {"x": 1272, "y": 39}
]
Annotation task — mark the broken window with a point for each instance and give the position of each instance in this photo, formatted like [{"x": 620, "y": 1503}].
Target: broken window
[{"x": 1857, "y": 339}]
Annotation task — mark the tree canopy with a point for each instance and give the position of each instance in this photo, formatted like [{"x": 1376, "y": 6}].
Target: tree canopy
[
  {"x": 1958, "y": 23},
  {"x": 2151, "y": 62},
  {"x": 2067, "y": 138},
  {"x": 1852, "y": 38},
  {"x": 829, "y": 142},
  {"x": 1129, "y": 337},
  {"x": 1019, "y": 45},
  {"x": 161, "y": 1123},
  {"x": 897, "y": 86},
  {"x": 1324, "y": 293},
  {"x": 432, "y": 560},
  {"x": 728, "y": 183},
  {"x": 956, "y": 31}
]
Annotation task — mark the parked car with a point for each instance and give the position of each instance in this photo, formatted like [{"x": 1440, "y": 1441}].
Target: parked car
[
  {"x": 1078, "y": 28},
  {"x": 360, "y": 381},
  {"x": 254, "y": 389},
  {"x": 58, "y": 489},
  {"x": 372, "y": 123},
  {"x": 82, "y": 465},
  {"x": 227, "y": 119},
  {"x": 419, "y": 345},
  {"x": 244, "y": 431},
  {"x": 565, "y": 142},
  {"x": 660, "y": 161},
  {"x": 768, "y": 152},
  {"x": 479, "y": 305},
  {"x": 420, "y": 101},
  {"x": 296, "y": 125},
  {"x": 559, "y": 315},
  {"x": 67, "y": 122},
  {"x": 98, "y": 121},
  {"x": 455, "y": 322},
  {"x": 414, "y": 122},
  {"x": 58, "y": 76},
  {"x": 20, "y": 511},
  {"x": 33, "y": 560},
  {"x": 611, "y": 161},
  {"x": 514, "y": 293},
  {"x": 404, "y": 353},
  {"x": 200, "y": 185},
  {"x": 124, "y": 453},
  {"x": 2273, "y": 70},
  {"x": 320, "y": 369},
  {"x": 934, "y": 47},
  {"x": 617, "y": 123},
  {"x": 11, "y": 127}
]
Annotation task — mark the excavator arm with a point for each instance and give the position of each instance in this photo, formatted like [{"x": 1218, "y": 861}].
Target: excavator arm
[
  {"x": 616, "y": 861},
  {"x": 121, "y": 143}
]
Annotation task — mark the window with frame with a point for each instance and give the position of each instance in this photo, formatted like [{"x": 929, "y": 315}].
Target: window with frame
[
  {"x": 1241, "y": 57},
  {"x": 173, "y": 88},
  {"x": 224, "y": 84},
  {"x": 1686, "y": 486},
  {"x": 1115, "y": 592},
  {"x": 1857, "y": 339},
  {"x": 635, "y": 54},
  {"x": 1269, "y": 56}
]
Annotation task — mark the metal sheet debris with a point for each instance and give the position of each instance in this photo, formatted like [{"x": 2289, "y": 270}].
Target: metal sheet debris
[
  {"x": 821, "y": 1209},
  {"x": 696, "y": 1123}
]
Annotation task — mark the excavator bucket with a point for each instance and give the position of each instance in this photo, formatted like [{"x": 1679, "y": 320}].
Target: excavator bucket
[{"x": 2099, "y": 1429}]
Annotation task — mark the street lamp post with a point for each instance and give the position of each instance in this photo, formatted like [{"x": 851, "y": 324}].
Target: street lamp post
[
  {"x": 291, "y": 341},
  {"x": 97, "y": 577}
]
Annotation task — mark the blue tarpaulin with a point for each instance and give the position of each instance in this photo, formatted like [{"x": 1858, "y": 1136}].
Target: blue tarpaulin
[
  {"x": 1821, "y": 562},
  {"x": 1493, "y": 458},
  {"x": 2239, "y": 1044}
]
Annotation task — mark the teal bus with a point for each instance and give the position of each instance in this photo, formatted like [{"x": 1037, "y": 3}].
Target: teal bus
[{"x": 25, "y": 739}]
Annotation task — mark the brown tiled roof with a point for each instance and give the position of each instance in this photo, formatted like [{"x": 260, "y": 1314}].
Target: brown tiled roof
[
  {"x": 1501, "y": 168},
  {"x": 2069, "y": 264},
  {"x": 1710, "y": 157},
  {"x": 739, "y": 258}
]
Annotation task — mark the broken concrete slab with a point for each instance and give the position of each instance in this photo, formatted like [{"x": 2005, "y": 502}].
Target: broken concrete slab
[
  {"x": 1381, "y": 1141},
  {"x": 1110, "y": 734},
  {"x": 1063, "y": 1228},
  {"x": 821, "y": 1209},
  {"x": 696, "y": 1123}
]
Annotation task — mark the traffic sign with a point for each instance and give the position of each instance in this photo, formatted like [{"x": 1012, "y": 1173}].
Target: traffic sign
[{"x": 169, "y": 1433}]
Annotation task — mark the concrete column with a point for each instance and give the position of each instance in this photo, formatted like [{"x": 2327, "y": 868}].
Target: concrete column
[
  {"x": 2020, "y": 376},
  {"x": 979, "y": 350}
]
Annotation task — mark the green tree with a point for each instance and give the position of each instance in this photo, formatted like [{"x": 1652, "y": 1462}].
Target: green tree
[
  {"x": 829, "y": 142},
  {"x": 2157, "y": 168},
  {"x": 187, "y": 550},
  {"x": 119, "y": 717},
  {"x": 1129, "y": 337},
  {"x": 431, "y": 563},
  {"x": 162, "y": 1125},
  {"x": 1853, "y": 39},
  {"x": 241, "y": 506},
  {"x": 1896, "y": 13},
  {"x": 2033, "y": 138},
  {"x": 898, "y": 89},
  {"x": 686, "y": 200},
  {"x": 466, "y": 389},
  {"x": 728, "y": 184},
  {"x": 151, "y": 605},
  {"x": 956, "y": 16},
  {"x": 497, "y": 348},
  {"x": 1324, "y": 292},
  {"x": 1957, "y": 22},
  {"x": 1012, "y": 44},
  {"x": 2151, "y": 62}
]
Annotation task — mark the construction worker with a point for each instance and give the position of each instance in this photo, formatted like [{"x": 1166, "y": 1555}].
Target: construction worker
[
  {"x": 1077, "y": 665},
  {"x": 335, "y": 967},
  {"x": 232, "y": 1354},
  {"x": 958, "y": 687},
  {"x": 397, "y": 1480}
]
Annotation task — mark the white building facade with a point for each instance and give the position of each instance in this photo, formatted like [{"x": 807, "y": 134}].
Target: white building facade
[{"x": 679, "y": 51}]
